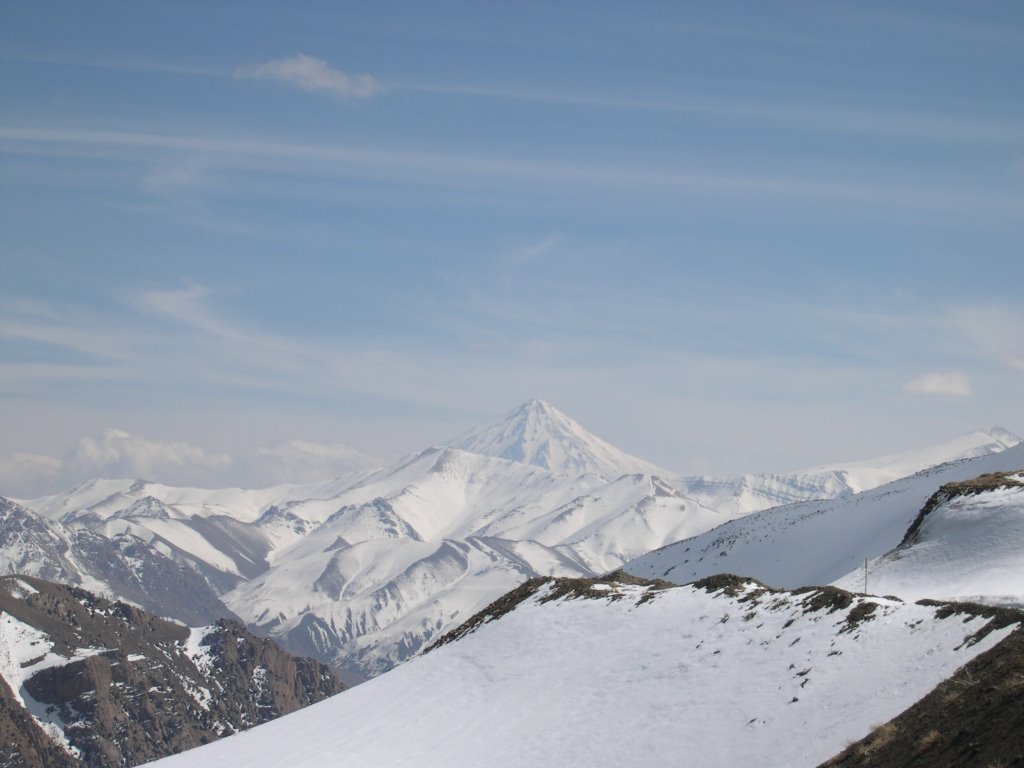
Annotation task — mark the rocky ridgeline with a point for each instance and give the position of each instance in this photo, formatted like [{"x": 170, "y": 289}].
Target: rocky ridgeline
[{"x": 125, "y": 687}]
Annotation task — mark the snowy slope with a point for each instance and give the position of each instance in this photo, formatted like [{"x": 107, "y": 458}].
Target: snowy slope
[
  {"x": 864, "y": 475},
  {"x": 815, "y": 542},
  {"x": 106, "y": 497},
  {"x": 611, "y": 677},
  {"x": 538, "y": 433},
  {"x": 969, "y": 547},
  {"x": 748, "y": 493},
  {"x": 416, "y": 550}
]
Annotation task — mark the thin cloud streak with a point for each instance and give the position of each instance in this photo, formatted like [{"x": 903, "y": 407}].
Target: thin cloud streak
[
  {"x": 834, "y": 118},
  {"x": 120, "y": 66},
  {"x": 440, "y": 167},
  {"x": 314, "y": 74}
]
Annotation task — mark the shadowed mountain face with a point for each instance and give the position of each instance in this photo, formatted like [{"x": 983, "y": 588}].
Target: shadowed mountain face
[{"x": 86, "y": 681}]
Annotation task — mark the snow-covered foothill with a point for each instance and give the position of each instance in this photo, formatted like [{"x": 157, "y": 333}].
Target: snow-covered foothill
[
  {"x": 815, "y": 542},
  {"x": 626, "y": 675},
  {"x": 968, "y": 547},
  {"x": 738, "y": 496}
]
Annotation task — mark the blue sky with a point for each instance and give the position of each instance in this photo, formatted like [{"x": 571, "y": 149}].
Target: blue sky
[{"x": 723, "y": 236}]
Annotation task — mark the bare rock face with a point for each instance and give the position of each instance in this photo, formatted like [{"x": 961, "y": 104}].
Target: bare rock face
[{"x": 124, "y": 687}]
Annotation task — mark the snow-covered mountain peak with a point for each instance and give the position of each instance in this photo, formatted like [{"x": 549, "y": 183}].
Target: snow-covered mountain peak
[
  {"x": 537, "y": 433},
  {"x": 1004, "y": 436}
]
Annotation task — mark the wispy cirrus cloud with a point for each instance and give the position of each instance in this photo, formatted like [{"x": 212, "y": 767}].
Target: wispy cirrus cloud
[
  {"x": 952, "y": 383},
  {"x": 445, "y": 168},
  {"x": 309, "y": 73}
]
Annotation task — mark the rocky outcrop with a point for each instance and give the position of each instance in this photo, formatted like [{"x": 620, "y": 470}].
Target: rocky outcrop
[{"x": 125, "y": 687}]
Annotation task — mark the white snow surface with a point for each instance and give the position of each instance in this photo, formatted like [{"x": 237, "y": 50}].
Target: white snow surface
[
  {"x": 969, "y": 548},
  {"x": 414, "y": 551},
  {"x": 684, "y": 678},
  {"x": 748, "y": 493},
  {"x": 819, "y": 542}
]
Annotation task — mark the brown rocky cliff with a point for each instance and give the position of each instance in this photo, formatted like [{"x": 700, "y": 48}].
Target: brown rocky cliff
[{"x": 135, "y": 693}]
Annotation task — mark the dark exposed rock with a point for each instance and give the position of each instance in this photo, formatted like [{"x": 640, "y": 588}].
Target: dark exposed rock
[
  {"x": 820, "y": 598},
  {"x": 731, "y": 584},
  {"x": 146, "y": 687}
]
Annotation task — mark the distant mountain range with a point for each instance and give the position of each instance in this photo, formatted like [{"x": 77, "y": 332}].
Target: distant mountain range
[
  {"x": 364, "y": 570},
  {"x": 501, "y": 551}
]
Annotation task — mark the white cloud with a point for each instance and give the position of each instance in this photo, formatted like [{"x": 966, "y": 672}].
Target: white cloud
[
  {"x": 312, "y": 74},
  {"x": 114, "y": 453},
  {"x": 1017, "y": 362},
  {"x": 119, "y": 454},
  {"x": 953, "y": 383}
]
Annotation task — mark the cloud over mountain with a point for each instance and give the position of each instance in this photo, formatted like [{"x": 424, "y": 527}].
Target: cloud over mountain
[{"x": 115, "y": 453}]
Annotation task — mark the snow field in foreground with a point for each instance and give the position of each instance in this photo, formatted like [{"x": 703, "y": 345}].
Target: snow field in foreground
[{"x": 686, "y": 678}]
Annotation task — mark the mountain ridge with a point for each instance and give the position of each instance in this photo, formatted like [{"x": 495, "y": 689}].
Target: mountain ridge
[{"x": 363, "y": 571}]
